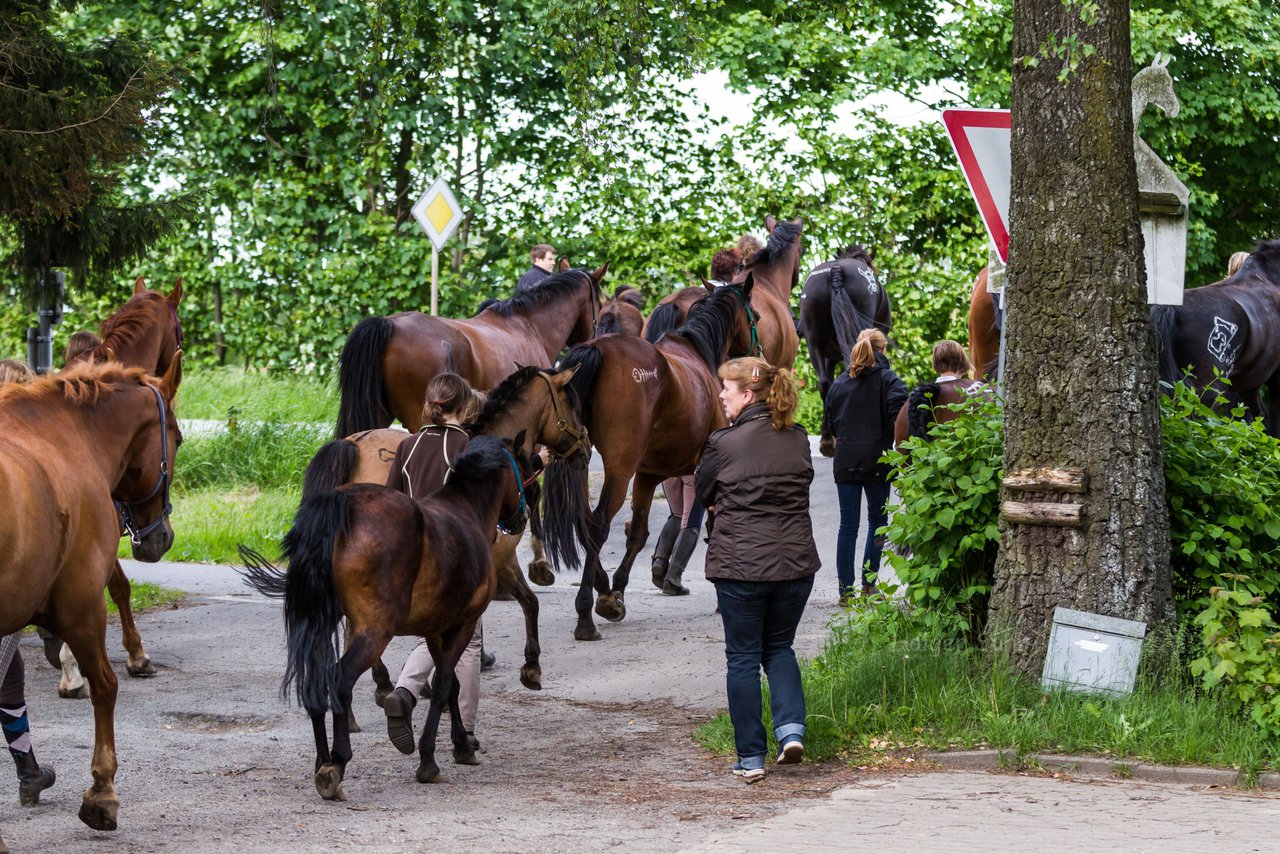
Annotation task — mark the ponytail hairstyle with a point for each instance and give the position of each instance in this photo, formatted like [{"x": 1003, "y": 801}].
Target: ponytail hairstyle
[
  {"x": 863, "y": 356},
  {"x": 774, "y": 387},
  {"x": 473, "y": 407},
  {"x": 950, "y": 358},
  {"x": 447, "y": 394}
]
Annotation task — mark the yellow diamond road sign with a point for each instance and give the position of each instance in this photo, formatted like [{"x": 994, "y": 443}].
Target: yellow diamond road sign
[{"x": 438, "y": 212}]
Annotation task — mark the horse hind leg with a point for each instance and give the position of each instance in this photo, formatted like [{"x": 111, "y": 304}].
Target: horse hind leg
[
  {"x": 87, "y": 640},
  {"x": 139, "y": 663},
  {"x": 72, "y": 685}
]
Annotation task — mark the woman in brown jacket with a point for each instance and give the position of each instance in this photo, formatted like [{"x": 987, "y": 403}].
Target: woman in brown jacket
[{"x": 754, "y": 479}]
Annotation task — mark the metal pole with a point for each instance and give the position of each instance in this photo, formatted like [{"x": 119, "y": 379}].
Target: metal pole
[
  {"x": 1003, "y": 330},
  {"x": 435, "y": 278}
]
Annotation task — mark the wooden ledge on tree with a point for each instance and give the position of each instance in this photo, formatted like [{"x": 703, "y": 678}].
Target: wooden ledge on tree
[
  {"x": 1042, "y": 513},
  {"x": 1046, "y": 480}
]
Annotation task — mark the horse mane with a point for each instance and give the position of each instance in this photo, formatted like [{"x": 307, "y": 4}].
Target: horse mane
[
  {"x": 665, "y": 318},
  {"x": 1263, "y": 261},
  {"x": 549, "y": 290},
  {"x": 80, "y": 384},
  {"x": 501, "y": 396},
  {"x": 129, "y": 324},
  {"x": 856, "y": 252},
  {"x": 710, "y": 323},
  {"x": 629, "y": 294},
  {"x": 483, "y": 458},
  {"x": 784, "y": 234}
]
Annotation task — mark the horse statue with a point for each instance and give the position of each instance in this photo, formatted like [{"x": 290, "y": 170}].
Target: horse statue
[
  {"x": 78, "y": 444},
  {"x": 649, "y": 409},
  {"x": 1229, "y": 328},
  {"x": 840, "y": 298},
  {"x": 623, "y": 313},
  {"x": 392, "y": 566}
]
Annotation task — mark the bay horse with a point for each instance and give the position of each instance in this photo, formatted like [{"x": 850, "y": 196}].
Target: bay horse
[
  {"x": 623, "y": 313},
  {"x": 530, "y": 401},
  {"x": 984, "y": 329},
  {"x": 392, "y": 566},
  {"x": 840, "y": 299},
  {"x": 649, "y": 409},
  {"x": 143, "y": 333},
  {"x": 1232, "y": 328},
  {"x": 387, "y": 362},
  {"x": 75, "y": 442}
]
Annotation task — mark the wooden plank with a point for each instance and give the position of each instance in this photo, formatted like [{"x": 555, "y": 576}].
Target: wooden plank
[
  {"x": 1042, "y": 513},
  {"x": 1046, "y": 480}
]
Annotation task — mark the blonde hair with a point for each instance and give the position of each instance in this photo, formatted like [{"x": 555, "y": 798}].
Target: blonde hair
[
  {"x": 474, "y": 406},
  {"x": 775, "y": 387},
  {"x": 13, "y": 371},
  {"x": 950, "y": 358},
  {"x": 863, "y": 355},
  {"x": 447, "y": 394},
  {"x": 1233, "y": 265}
]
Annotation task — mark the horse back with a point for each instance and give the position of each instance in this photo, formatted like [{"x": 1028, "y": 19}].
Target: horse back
[
  {"x": 375, "y": 449},
  {"x": 456, "y": 579},
  {"x": 688, "y": 409},
  {"x": 1233, "y": 327}
]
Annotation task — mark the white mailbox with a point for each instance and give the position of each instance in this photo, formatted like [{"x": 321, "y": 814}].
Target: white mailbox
[{"x": 1093, "y": 654}]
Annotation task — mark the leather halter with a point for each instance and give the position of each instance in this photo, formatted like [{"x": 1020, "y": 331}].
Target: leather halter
[
  {"x": 124, "y": 509},
  {"x": 756, "y": 348},
  {"x": 563, "y": 423}
]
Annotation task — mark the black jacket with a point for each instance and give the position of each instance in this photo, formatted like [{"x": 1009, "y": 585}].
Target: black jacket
[
  {"x": 861, "y": 411},
  {"x": 531, "y": 280}
]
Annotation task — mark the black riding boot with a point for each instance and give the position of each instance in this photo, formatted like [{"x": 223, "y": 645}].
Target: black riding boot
[
  {"x": 32, "y": 779},
  {"x": 685, "y": 544},
  {"x": 662, "y": 550}
]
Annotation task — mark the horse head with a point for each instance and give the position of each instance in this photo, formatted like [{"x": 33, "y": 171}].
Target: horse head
[
  {"x": 584, "y": 327},
  {"x": 142, "y": 493},
  {"x": 539, "y": 401},
  {"x": 1154, "y": 85},
  {"x": 777, "y": 265},
  {"x": 624, "y": 313}
]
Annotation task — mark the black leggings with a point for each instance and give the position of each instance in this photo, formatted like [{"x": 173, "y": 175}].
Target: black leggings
[{"x": 12, "y": 687}]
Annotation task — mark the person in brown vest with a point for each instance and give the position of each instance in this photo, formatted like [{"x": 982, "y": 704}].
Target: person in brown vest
[{"x": 927, "y": 404}]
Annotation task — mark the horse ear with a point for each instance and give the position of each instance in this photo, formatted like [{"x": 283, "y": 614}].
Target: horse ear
[
  {"x": 563, "y": 265},
  {"x": 172, "y": 378},
  {"x": 633, "y": 296},
  {"x": 518, "y": 441},
  {"x": 1155, "y": 60},
  {"x": 799, "y": 220},
  {"x": 710, "y": 287},
  {"x": 111, "y": 355},
  {"x": 175, "y": 295},
  {"x": 139, "y": 285},
  {"x": 562, "y": 378},
  {"x": 770, "y": 222},
  {"x": 598, "y": 275}
]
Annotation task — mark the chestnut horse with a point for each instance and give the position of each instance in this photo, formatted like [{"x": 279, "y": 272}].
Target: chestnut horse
[
  {"x": 624, "y": 313},
  {"x": 143, "y": 333},
  {"x": 649, "y": 409},
  {"x": 388, "y": 361},
  {"x": 530, "y": 401},
  {"x": 392, "y": 566},
  {"x": 76, "y": 442},
  {"x": 984, "y": 329}
]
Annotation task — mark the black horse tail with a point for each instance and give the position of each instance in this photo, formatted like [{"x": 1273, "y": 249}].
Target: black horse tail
[
  {"x": 261, "y": 574},
  {"x": 363, "y": 398},
  {"x": 565, "y": 516},
  {"x": 330, "y": 468},
  {"x": 845, "y": 317},
  {"x": 664, "y": 318},
  {"x": 1165, "y": 320},
  {"x": 311, "y": 610}
]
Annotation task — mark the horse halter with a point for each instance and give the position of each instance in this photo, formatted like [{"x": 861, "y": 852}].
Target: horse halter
[
  {"x": 756, "y": 349},
  {"x": 514, "y": 524},
  {"x": 124, "y": 509},
  {"x": 562, "y": 423},
  {"x": 177, "y": 325}
]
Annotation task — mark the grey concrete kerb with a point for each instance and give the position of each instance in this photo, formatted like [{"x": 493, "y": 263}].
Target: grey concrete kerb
[{"x": 1096, "y": 766}]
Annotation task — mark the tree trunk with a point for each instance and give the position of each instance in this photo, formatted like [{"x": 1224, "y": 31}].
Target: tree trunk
[{"x": 1081, "y": 383}]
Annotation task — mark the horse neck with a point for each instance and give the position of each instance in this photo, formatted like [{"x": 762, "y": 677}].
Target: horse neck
[
  {"x": 102, "y": 431},
  {"x": 779, "y": 278},
  {"x": 482, "y": 500},
  {"x": 552, "y": 322}
]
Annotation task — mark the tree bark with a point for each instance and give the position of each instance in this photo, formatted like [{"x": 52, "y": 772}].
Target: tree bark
[{"x": 1081, "y": 382}]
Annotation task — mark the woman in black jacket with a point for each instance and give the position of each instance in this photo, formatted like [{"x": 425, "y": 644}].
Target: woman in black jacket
[{"x": 862, "y": 406}]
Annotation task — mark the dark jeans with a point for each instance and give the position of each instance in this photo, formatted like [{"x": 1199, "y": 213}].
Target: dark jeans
[
  {"x": 760, "y": 619},
  {"x": 850, "y": 495}
]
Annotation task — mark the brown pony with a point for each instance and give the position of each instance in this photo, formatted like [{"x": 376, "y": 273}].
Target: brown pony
[
  {"x": 392, "y": 566},
  {"x": 388, "y": 361},
  {"x": 143, "y": 333},
  {"x": 624, "y": 313},
  {"x": 649, "y": 408},
  {"x": 74, "y": 443},
  {"x": 984, "y": 334},
  {"x": 530, "y": 401}
]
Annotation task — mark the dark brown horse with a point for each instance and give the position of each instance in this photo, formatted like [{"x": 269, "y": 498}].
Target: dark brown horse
[
  {"x": 623, "y": 313},
  {"x": 649, "y": 409},
  {"x": 839, "y": 300},
  {"x": 388, "y": 361},
  {"x": 392, "y": 566},
  {"x": 75, "y": 443},
  {"x": 529, "y": 402}
]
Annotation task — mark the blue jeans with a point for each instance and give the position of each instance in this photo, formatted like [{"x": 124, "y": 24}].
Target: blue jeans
[
  {"x": 760, "y": 619},
  {"x": 850, "y": 495}
]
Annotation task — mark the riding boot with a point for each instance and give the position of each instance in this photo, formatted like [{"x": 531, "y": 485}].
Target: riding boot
[
  {"x": 399, "y": 708},
  {"x": 32, "y": 779},
  {"x": 685, "y": 544},
  {"x": 662, "y": 550}
]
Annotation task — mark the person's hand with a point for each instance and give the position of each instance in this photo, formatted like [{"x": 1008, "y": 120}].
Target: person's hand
[{"x": 544, "y": 454}]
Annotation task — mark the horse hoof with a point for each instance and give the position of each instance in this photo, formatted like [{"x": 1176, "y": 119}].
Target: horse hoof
[
  {"x": 329, "y": 783},
  {"x": 142, "y": 668},
  {"x": 380, "y": 695},
  {"x": 611, "y": 608},
  {"x": 541, "y": 574},
  {"x": 352, "y": 725},
  {"x": 531, "y": 677},
  {"x": 587, "y": 633},
  {"x": 429, "y": 772},
  {"x": 99, "y": 813},
  {"x": 79, "y": 693},
  {"x": 827, "y": 446},
  {"x": 465, "y": 758}
]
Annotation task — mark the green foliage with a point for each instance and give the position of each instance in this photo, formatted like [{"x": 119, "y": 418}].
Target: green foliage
[
  {"x": 263, "y": 455},
  {"x": 1242, "y": 650},
  {"x": 209, "y": 524},
  {"x": 945, "y": 526},
  {"x": 223, "y": 393},
  {"x": 145, "y": 596}
]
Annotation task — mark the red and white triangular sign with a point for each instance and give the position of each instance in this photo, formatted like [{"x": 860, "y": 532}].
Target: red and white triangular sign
[{"x": 981, "y": 140}]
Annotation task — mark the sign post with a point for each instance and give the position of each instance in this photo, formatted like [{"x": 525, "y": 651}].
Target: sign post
[{"x": 439, "y": 213}]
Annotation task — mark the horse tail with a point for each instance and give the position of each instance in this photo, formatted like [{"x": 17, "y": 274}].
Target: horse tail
[
  {"x": 565, "y": 516},
  {"x": 331, "y": 467},
  {"x": 920, "y": 412},
  {"x": 363, "y": 397},
  {"x": 1165, "y": 320},
  {"x": 664, "y": 319},
  {"x": 261, "y": 574},
  {"x": 311, "y": 609},
  {"x": 845, "y": 316}
]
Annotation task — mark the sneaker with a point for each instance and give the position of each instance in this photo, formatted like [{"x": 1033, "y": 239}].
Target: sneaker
[
  {"x": 399, "y": 708},
  {"x": 487, "y": 660},
  {"x": 749, "y": 775},
  {"x": 792, "y": 753}
]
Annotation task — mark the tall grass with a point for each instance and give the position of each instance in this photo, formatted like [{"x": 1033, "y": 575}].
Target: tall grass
[
  {"x": 209, "y": 524},
  {"x": 220, "y": 393},
  {"x": 267, "y": 455}
]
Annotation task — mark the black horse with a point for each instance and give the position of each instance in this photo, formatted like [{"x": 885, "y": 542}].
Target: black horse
[
  {"x": 840, "y": 299},
  {"x": 1230, "y": 328}
]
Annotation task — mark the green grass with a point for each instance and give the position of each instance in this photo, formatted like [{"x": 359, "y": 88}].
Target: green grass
[
  {"x": 145, "y": 596},
  {"x": 213, "y": 393},
  {"x": 209, "y": 524},
  {"x": 908, "y": 695},
  {"x": 267, "y": 455}
]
